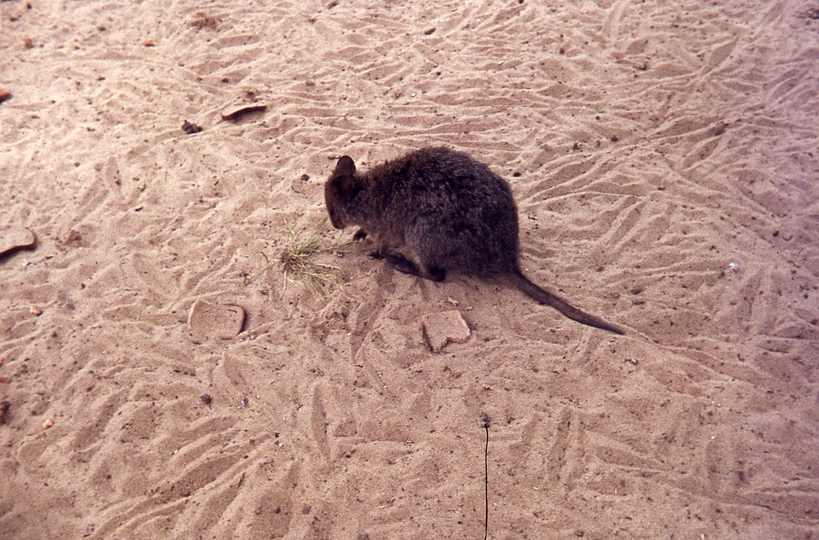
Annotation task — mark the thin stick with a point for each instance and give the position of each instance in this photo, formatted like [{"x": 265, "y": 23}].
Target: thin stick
[{"x": 485, "y": 418}]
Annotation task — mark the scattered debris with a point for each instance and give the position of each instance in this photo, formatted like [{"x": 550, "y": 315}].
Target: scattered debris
[
  {"x": 442, "y": 328},
  {"x": 733, "y": 267},
  {"x": 190, "y": 129},
  {"x": 203, "y": 20},
  {"x": 15, "y": 238},
  {"x": 232, "y": 113},
  {"x": 215, "y": 321},
  {"x": 810, "y": 13},
  {"x": 74, "y": 239}
]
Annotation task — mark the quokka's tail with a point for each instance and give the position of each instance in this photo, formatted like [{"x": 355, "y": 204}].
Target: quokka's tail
[{"x": 545, "y": 297}]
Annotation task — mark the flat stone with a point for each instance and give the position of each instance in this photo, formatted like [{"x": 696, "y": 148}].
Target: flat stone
[
  {"x": 215, "y": 321},
  {"x": 234, "y": 112},
  {"x": 445, "y": 327},
  {"x": 16, "y": 237}
]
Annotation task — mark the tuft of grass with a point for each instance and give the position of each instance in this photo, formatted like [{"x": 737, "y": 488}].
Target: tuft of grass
[{"x": 297, "y": 256}]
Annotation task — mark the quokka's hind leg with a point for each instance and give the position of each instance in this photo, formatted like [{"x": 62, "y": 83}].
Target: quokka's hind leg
[
  {"x": 402, "y": 264},
  {"x": 435, "y": 273}
]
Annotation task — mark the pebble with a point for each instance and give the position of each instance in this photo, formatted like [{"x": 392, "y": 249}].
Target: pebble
[{"x": 190, "y": 128}]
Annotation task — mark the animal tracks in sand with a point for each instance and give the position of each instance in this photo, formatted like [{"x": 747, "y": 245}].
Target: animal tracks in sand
[{"x": 649, "y": 145}]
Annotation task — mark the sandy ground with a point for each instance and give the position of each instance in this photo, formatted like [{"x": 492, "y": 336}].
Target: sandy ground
[{"x": 664, "y": 159}]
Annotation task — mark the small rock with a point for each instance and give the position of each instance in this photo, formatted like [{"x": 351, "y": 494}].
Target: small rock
[
  {"x": 4, "y": 408},
  {"x": 48, "y": 423},
  {"x": 215, "y": 321},
  {"x": 445, "y": 327},
  {"x": 190, "y": 128},
  {"x": 34, "y": 310},
  {"x": 16, "y": 237}
]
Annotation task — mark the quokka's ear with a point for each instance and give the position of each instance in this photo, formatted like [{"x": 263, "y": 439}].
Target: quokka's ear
[
  {"x": 345, "y": 165},
  {"x": 342, "y": 185}
]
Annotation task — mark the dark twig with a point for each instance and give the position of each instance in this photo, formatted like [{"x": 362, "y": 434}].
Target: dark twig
[{"x": 485, "y": 419}]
